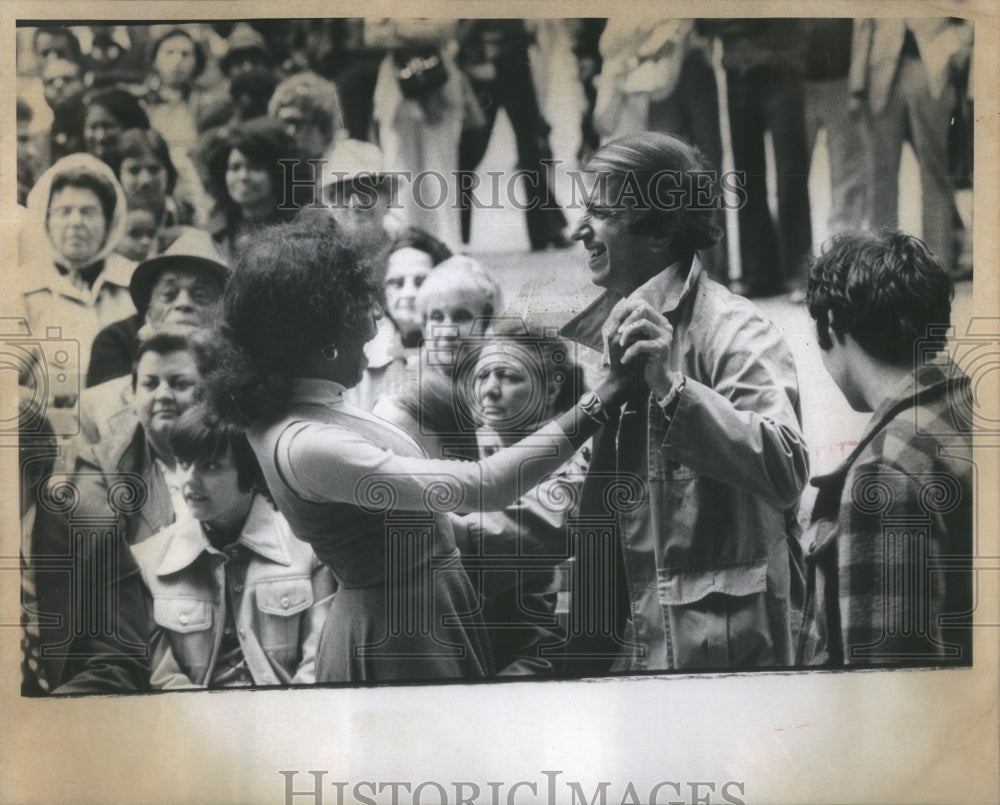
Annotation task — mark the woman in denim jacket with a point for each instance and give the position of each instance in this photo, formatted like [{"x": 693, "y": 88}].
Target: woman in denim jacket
[{"x": 237, "y": 600}]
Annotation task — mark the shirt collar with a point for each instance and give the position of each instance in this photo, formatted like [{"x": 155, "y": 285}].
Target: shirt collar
[
  {"x": 117, "y": 272},
  {"x": 932, "y": 376},
  {"x": 665, "y": 292},
  {"x": 259, "y": 534},
  {"x": 316, "y": 391}
]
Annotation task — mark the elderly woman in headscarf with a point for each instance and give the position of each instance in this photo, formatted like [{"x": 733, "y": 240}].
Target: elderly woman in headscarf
[{"x": 74, "y": 280}]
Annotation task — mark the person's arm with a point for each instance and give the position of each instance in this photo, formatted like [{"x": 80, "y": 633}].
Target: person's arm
[
  {"x": 115, "y": 661},
  {"x": 534, "y": 525},
  {"x": 324, "y": 587},
  {"x": 742, "y": 430},
  {"x": 328, "y": 463}
]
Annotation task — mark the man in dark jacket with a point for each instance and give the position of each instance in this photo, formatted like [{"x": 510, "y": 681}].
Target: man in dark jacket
[{"x": 890, "y": 542}]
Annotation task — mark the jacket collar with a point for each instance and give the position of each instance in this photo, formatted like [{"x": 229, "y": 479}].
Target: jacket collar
[
  {"x": 930, "y": 381},
  {"x": 665, "y": 292},
  {"x": 259, "y": 534},
  {"x": 126, "y": 449},
  {"x": 116, "y": 273}
]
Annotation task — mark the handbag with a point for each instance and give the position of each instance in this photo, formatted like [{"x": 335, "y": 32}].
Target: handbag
[
  {"x": 656, "y": 68},
  {"x": 420, "y": 73}
]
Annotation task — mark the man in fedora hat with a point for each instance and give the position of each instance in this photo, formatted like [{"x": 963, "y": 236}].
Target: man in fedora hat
[
  {"x": 179, "y": 288},
  {"x": 359, "y": 190}
]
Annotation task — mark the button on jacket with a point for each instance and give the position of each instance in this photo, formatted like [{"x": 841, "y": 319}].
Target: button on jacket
[
  {"x": 704, "y": 535},
  {"x": 281, "y": 606}
]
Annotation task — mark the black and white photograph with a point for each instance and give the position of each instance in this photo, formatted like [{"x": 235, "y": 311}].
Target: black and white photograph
[{"x": 526, "y": 408}]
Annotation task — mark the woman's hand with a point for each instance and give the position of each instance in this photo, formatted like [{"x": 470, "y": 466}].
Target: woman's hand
[{"x": 617, "y": 378}]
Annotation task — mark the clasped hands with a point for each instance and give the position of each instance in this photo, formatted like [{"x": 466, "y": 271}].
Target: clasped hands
[{"x": 637, "y": 340}]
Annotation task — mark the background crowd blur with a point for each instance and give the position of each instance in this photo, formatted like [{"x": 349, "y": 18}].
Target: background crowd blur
[{"x": 753, "y": 95}]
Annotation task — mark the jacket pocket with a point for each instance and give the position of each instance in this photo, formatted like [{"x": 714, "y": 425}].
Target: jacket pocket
[
  {"x": 718, "y": 618},
  {"x": 281, "y": 603},
  {"x": 678, "y": 587},
  {"x": 665, "y": 468},
  {"x": 284, "y": 596},
  {"x": 183, "y": 615},
  {"x": 187, "y": 623}
]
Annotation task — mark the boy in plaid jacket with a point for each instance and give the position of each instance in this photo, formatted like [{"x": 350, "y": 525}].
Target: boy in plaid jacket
[{"x": 889, "y": 545}]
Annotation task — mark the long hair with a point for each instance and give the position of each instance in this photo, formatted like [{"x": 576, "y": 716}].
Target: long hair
[
  {"x": 296, "y": 288},
  {"x": 136, "y": 143}
]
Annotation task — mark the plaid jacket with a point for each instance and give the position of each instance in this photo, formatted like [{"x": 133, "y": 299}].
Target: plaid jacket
[{"x": 889, "y": 545}]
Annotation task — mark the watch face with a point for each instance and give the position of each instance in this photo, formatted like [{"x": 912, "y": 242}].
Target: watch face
[{"x": 592, "y": 406}]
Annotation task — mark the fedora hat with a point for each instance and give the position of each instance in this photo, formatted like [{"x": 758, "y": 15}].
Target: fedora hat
[
  {"x": 192, "y": 251},
  {"x": 350, "y": 160}
]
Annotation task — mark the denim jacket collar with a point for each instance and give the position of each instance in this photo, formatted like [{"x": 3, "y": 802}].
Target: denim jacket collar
[
  {"x": 258, "y": 534},
  {"x": 665, "y": 292}
]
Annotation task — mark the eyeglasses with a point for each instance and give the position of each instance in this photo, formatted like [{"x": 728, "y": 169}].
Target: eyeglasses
[{"x": 199, "y": 294}]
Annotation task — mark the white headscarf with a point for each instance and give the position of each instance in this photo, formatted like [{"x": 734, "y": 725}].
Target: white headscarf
[{"x": 40, "y": 196}]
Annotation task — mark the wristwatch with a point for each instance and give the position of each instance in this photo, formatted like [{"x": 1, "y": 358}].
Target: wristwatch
[{"x": 592, "y": 406}]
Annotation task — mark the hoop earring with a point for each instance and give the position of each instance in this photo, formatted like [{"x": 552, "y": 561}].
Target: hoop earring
[{"x": 329, "y": 352}]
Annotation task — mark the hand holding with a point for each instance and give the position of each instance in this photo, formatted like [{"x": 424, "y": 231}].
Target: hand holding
[{"x": 646, "y": 337}]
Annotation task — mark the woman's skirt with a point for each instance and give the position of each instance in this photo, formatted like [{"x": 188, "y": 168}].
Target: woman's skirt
[{"x": 423, "y": 624}]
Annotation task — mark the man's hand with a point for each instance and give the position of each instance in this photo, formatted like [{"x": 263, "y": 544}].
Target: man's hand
[{"x": 645, "y": 335}]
